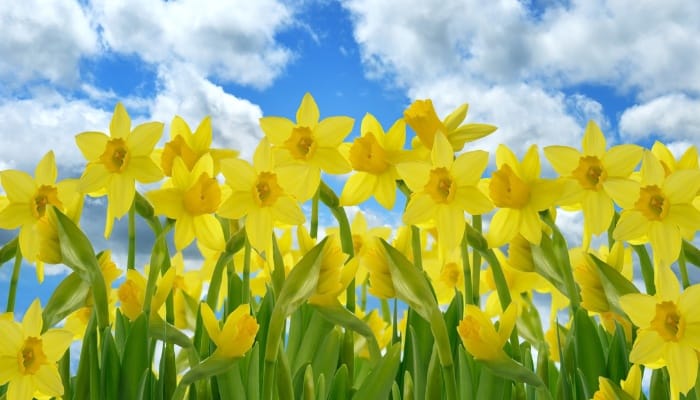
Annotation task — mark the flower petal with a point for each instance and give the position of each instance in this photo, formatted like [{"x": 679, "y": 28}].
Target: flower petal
[
  {"x": 385, "y": 190},
  {"x": 46, "y": 172},
  {"x": 469, "y": 167},
  {"x": 16, "y": 215},
  {"x": 201, "y": 141},
  {"x": 450, "y": 226},
  {"x": 211, "y": 323},
  {"x": 564, "y": 159},
  {"x": 358, "y": 188},
  {"x": 307, "y": 113},
  {"x": 239, "y": 174},
  {"x": 331, "y": 161},
  {"x": 531, "y": 164},
  {"x": 472, "y": 200},
  {"x": 331, "y": 131},
  {"x": 631, "y": 225},
  {"x": 21, "y": 387},
  {"x": 276, "y": 129},
  {"x": 640, "y": 308},
  {"x": 11, "y": 336},
  {"x": 91, "y": 144},
  {"x": 621, "y": 160},
  {"x": 184, "y": 232},
  {"x": 505, "y": 224},
  {"x": 648, "y": 348},
  {"x": 55, "y": 342},
  {"x": 144, "y": 138},
  {"x": 624, "y": 191},
  {"x": 530, "y": 226},
  {"x": 208, "y": 231},
  {"x": 667, "y": 286},
  {"x": 689, "y": 303},
  {"x": 666, "y": 241},
  {"x": 167, "y": 202},
  {"x": 598, "y": 211},
  {"x": 8, "y": 368},
  {"x": 396, "y": 136},
  {"x": 94, "y": 178},
  {"x": 237, "y": 205},
  {"x": 415, "y": 174},
  {"x": 287, "y": 211},
  {"x": 442, "y": 154},
  {"x": 19, "y": 185},
  {"x": 682, "y": 186},
  {"x": 652, "y": 171},
  {"x": 121, "y": 194},
  {"x": 259, "y": 226},
  {"x": 120, "y": 126},
  {"x": 144, "y": 170},
  {"x": 300, "y": 180},
  {"x": 682, "y": 366},
  {"x": 593, "y": 142},
  {"x": 420, "y": 208},
  {"x": 32, "y": 322}
]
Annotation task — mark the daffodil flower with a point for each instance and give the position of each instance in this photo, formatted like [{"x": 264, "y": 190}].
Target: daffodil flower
[
  {"x": 374, "y": 156},
  {"x": 28, "y": 358},
  {"x": 591, "y": 172},
  {"x": 631, "y": 386},
  {"x": 669, "y": 328},
  {"x": 132, "y": 293},
  {"x": 307, "y": 147},
  {"x": 658, "y": 208},
  {"x": 237, "y": 335},
  {"x": 117, "y": 161},
  {"x": 519, "y": 192},
  {"x": 191, "y": 198},
  {"x": 259, "y": 194},
  {"x": 480, "y": 337},
  {"x": 27, "y": 202},
  {"x": 444, "y": 189},
  {"x": 335, "y": 275}
]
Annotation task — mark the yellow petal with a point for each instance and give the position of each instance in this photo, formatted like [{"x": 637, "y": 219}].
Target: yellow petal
[
  {"x": 682, "y": 363},
  {"x": 385, "y": 191},
  {"x": 442, "y": 154},
  {"x": 237, "y": 205},
  {"x": 239, "y": 174},
  {"x": 211, "y": 323},
  {"x": 469, "y": 167},
  {"x": 8, "y": 367},
  {"x": 415, "y": 174},
  {"x": 29, "y": 242},
  {"x": 593, "y": 142},
  {"x": 258, "y": 227},
  {"x": 530, "y": 226},
  {"x": 331, "y": 131},
  {"x": 276, "y": 129},
  {"x": 667, "y": 286},
  {"x": 531, "y": 164},
  {"x": 91, "y": 144},
  {"x": 652, "y": 171},
  {"x": 370, "y": 125},
  {"x": 665, "y": 241},
  {"x": 12, "y": 338},
  {"x": 648, "y": 348},
  {"x": 46, "y": 172},
  {"x": 472, "y": 200},
  {"x": 624, "y": 191},
  {"x": 94, "y": 178},
  {"x": 21, "y": 388},
  {"x": 330, "y": 161},
  {"x": 47, "y": 380},
  {"x": 631, "y": 225},
  {"x": 682, "y": 186},
  {"x": 633, "y": 384},
  {"x": 308, "y": 114},
  {"x": 358, "y": 188},
  {"x": 144, "y": 138},
  {"x": 544, "y": 193},
  {"x": 262, "y": 159},
  {"x": 507, "y": 322},
  {"x": 19, "y": 185},
  {"x": 564, "y": 159},
  {"x": 620, "y": 161},
  {"x": 184, "y": 232},
  {"x": 144, "y": 170},
  {"x": 450, "y": 226},
  {"x": 16, "y": 215},
  {"x": 505, "y": 224},
  {"x": 179, "y": 127},
  {"x": 201, "y": 140},
  {"x": 120, "y": 126},
  {"x": 287, "y": 211},
  {"x": 420, "y": 208},
  {"x": 598, "y": 211},
  {"x": 32, "y": 322},
  {"x": 689, "y": 303},
  {"x": 504, "y": 155},
  {"x": 55, "y": 342},
  {"x": 121, "y": 194},
  {"x": 207, "y": 229},
  {"x": 300, "y": 180},
  {"x": 640, "y": 308},
  {"x": 167, "y": 202}
]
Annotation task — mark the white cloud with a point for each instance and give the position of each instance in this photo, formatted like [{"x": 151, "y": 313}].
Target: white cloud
[
  {"x": 184, "y": 92},
  {"x": 674, "y": 117},
  {"x": 44, "y": 40},
  {"x": 233, "y": 41}
]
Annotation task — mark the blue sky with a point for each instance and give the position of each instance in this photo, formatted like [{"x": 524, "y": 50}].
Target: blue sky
[{"x": 537, "y": 69}]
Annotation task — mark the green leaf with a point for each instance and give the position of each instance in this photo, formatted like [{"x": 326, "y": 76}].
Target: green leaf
[
  {"x": 408, "y": 393},
  {"x": 692, "y": 254},
  {"x": 614, "y": 283},
  {"x": 135, "y": 358},
  {"x": 253, "y": 383},
  {"x": 510, "y": 369},
  {"x": 314, "y": 334},
  {"x": 378, "y": 384},
  {"x": 109, "y": 380},
  {"x": 659, "y": 387},
  {"x": 309, "y": 388},
  {"x": 339, "y": 385},
  {"x": 433, "y": 389},
  {"x": 8, "y": 251},
  {"x": 230, "y": 383},
  {"x": 339, "y": 315},
  {"x": 69, "y": 295},
  {"x": 302, "y": 280},
  {"x": 617, "y": 363},
  {"x": 589, "y": 353}
]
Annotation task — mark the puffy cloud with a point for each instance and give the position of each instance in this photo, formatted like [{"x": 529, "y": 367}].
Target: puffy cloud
[
  {"x": 673, "y": 117},
  {"x": 235, "y": 42},
  {"x": 44, "y": 40}
]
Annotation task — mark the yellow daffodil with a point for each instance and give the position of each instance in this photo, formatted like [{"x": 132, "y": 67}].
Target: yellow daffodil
[
  {"x": 518, "y": 282},
  {"x": 29, "y": 199},
  {"x": 190, "y": 147},
  {"x": 444, "y": 189},
  {"x": 258, "y": 193},
  {"x": 4, "y": 202},
  {"x": 191, "y": 198},
  {"x": 380, "y": 282},
  {"x": 423, "y": 119},
  {"x": 688, "y": 160},
  {"x": 669, "y": 328},
  {"x": 132, "y": 293},
  {"x": 187, "y": 290},
  {"x": 307, "y": 147},
  {"x": 631, "y": 386},
  {"x": 335, "y": 275},
  {"x": 117, "y": 161},
  {"x": 446, "y": 275},
  {"x": 237, "y": 335},
  {"x": 380, "y": 328},
  {"x": 28, "y": 358},
  {"x": 519, "y": 192},
  {"x": 479, "y": 336},
  {"x": 590, "y": 173},
  {"x": 374, "y": 156},
  {"x": 656, "y": 209}
]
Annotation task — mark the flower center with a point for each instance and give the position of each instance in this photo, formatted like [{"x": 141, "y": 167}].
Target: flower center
[
  {"x": 44, "y": 196},
  {"x": 203, "y": 197},
  {"x": 301, "y": 143},
  {"x": 177, "y": 148},
  {"x": 590, "y": 173},
  {"x": 421, "y": 117},
  {"x": 267, "y": 191},
  {"x": 440, "y": 186},
  {"x": 116, "y": 155},
  {"x": 367, "y": 155},
  {"x": 32, "y": 356},
  {"x": 652, "y": 203},
  {"x": 450, "y": 274},
  {"x": 507, "y": 189},
  {"x": 668, "y": 322},
  {"x": 357, "y": 243}
]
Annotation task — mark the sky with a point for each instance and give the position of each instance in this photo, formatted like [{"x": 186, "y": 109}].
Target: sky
[{"x": 537, "y": 69}]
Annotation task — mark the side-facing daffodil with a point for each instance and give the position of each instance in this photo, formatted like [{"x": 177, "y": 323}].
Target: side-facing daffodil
[
  {"x": 590, "y": 173},
  {"x": 335, "y": 274},
  {"x": 116, "y": 161},
  {"x": 480, "y": 337},
  {"x": 28, "y": 357},
  {"x": 444, "y": 189},
  {"x": 520, "y": 194},
  {"x": 669, "y": 328},
  {"x": 658, "y": 208},
  {"x": 28, "y": 199},
  {"x": 374, "y": 156},
  {"x": 191, "y": 198},
  {"x": 632, "y": 386},
  {"x": 258, "y": 193},
  {"x": 132, "y": 293},
  {"x": 307, "y": 147},
  {"x": 237, "y": 335}
]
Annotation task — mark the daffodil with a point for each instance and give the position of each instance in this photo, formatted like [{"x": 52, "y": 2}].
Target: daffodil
[
  {"x": 187, "y": 290},
  {"x": 29, "y": 199},
  {"x": 237, "y": 335},
  {"x": 518, "y": 283},
  {"x": 658, "y": 208},
  {"x": 423, "y": 119},
  {"x": 258, "y": 193},
  {"x": 446, "y": 275},
  {"x": 444, "y": 189},
  {"x": 374, "y": 156},
  {"x": 591, "y": 172},
  {"x": 380, "y": 328},
  {"x": 191, "y": 198},
  {"x": 190, "y": 147},
  {"x": 28, "y": 358},
  {"x": 669, "y": 328},
  {"x": 307, "y": 147},
  {"x": 632, "y": 386},
  {"x": 480, "y": 337},
  {"x": 688, "y": 160},
  {"x": 520, "y": 194},
  {"x": 335, "y": 274},
  {"x": 118, "y": 160},
  {"x": 132, "y": 293}
]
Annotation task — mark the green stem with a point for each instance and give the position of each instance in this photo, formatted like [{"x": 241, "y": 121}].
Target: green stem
[
  {"x": 442, "y": 341},
  {"x": 647, "y": 268},
  {"x": 14, "y": 279},
  {"x": 416, "y": 247},
  {"x": 215, "y": 283},
  {"x": 684, "y": 269},
  {"x": 268, "y": 378},
  {"x": 313, "y": 230},
  {"x": 476, "y": 264},
  {"x": 466, "y": 265},
  {"x": 363, "y": 296},
  {"x": 131, "y": 257},
  {"x": 395, "y": 322},
  {"x": 245, "y": 291}
]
